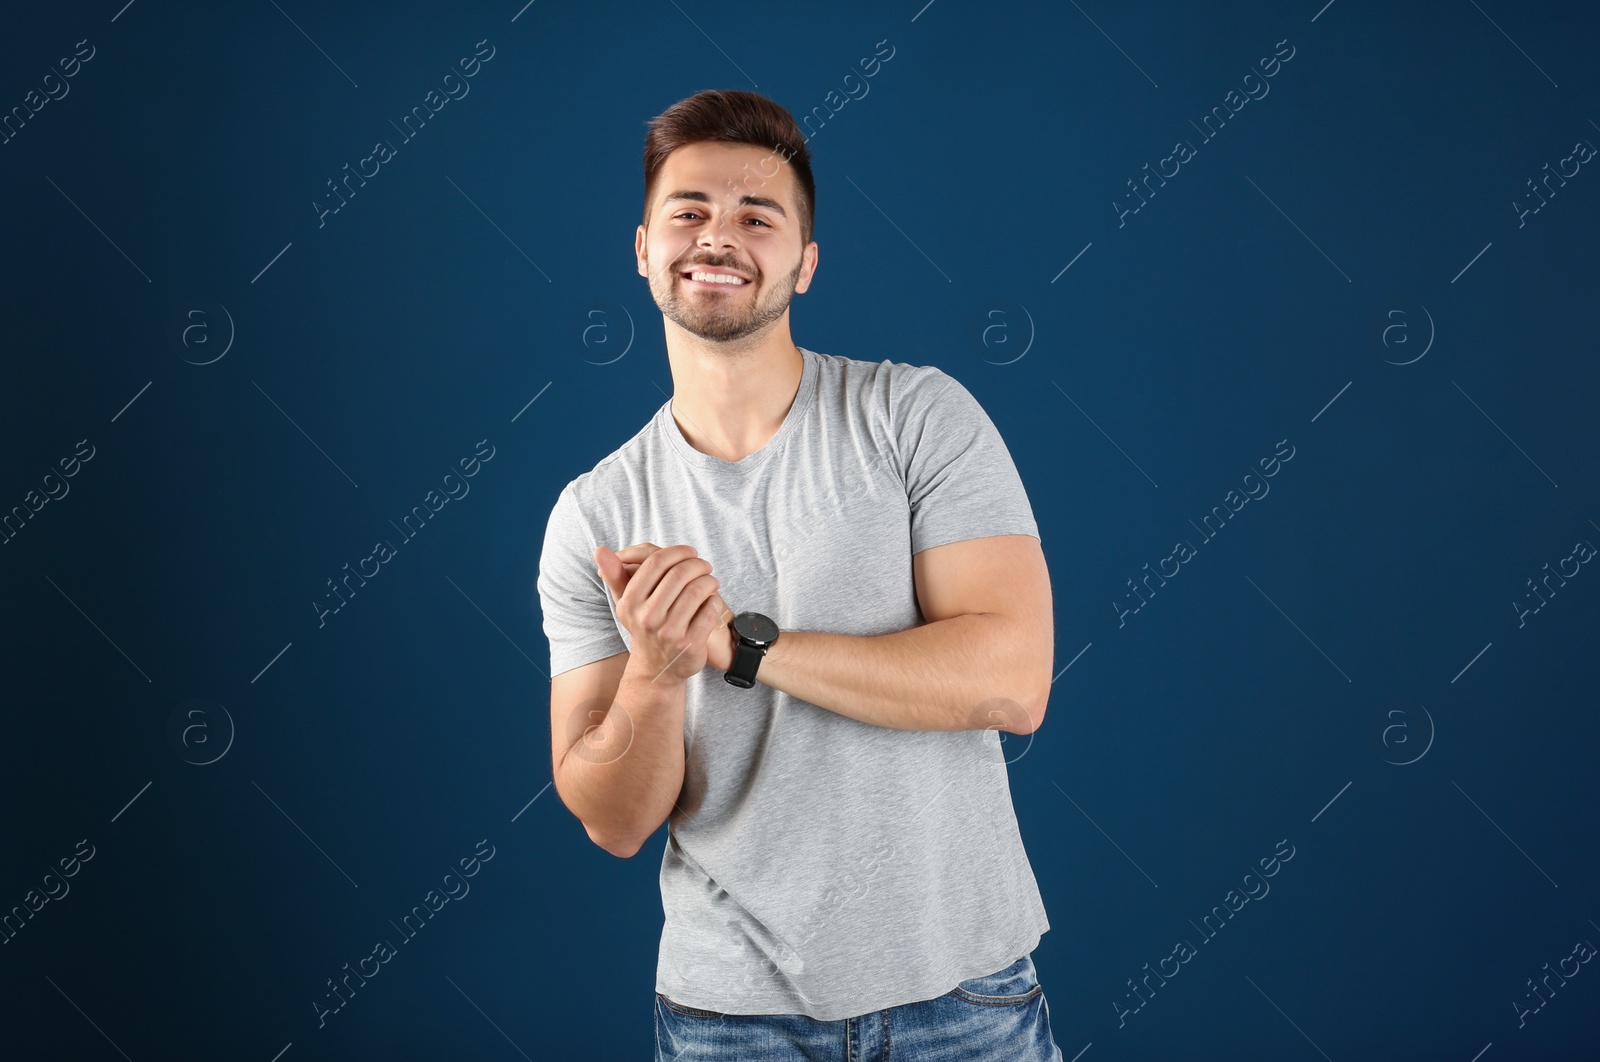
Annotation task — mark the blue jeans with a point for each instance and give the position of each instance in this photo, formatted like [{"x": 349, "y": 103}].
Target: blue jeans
[{"x": 1001, "y": 1017}]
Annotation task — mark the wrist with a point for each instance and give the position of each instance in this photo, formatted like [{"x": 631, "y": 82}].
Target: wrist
[
  {"x": 751, "y": 635},
  {"x": 648, "y": 684},
  {"x": 719, "y": 646}
]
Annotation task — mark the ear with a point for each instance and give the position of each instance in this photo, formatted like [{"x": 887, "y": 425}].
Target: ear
[
  {"x": 640, "y": 252},
  {"x": 808, "y": 266}
]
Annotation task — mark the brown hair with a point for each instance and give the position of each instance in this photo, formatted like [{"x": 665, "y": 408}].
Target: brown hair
[{"x": 738, "y": 117}]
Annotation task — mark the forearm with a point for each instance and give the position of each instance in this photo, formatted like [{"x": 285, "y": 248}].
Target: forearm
[
  {"x": 623, "y": 777},
  {"x": 962, "y": 673}
]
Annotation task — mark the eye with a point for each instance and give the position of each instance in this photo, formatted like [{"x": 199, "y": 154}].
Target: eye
[
  {"x": 762, "y": 220},
  {"x": 684, "y": 214}
]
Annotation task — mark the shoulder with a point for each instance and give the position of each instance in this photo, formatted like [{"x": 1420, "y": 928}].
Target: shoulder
[
  {"x": 612, "y": 474},
  {"x": 886, "y": 385}
]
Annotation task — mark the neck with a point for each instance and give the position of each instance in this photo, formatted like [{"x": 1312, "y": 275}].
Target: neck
[{"x": 729, "y": 402}]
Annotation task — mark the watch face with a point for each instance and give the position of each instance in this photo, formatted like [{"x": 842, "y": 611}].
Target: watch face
[{"x": 754, "y": 627}]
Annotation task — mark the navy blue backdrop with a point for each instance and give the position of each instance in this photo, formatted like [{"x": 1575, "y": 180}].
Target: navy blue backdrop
[{"x": 1305, "y": 289}]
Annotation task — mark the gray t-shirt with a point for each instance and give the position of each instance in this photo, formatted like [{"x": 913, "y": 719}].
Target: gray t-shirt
[{"x": 816, "y": 864}]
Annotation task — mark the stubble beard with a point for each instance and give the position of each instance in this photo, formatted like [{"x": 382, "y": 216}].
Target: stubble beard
[{"x": 714, "y": 318}]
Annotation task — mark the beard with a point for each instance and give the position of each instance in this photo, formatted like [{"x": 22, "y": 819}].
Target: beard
[{"x": 724, "y": 317}]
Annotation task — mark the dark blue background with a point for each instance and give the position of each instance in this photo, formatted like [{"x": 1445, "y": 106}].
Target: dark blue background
[{"x": 1245, "y": 304}]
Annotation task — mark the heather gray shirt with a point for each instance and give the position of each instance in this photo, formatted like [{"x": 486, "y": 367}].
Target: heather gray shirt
[{"x": 817, "y": 865}]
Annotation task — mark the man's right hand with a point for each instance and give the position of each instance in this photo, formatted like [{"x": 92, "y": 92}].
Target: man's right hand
[{"x": 668, "y": 600}]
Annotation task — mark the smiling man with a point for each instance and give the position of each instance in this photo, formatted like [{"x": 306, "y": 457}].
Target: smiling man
[{"x": 842, "y": 858}]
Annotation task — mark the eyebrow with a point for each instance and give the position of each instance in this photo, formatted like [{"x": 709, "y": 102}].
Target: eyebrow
[{"x": 744, "y": 200}]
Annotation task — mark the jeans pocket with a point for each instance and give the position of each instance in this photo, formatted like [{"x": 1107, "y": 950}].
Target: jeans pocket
[
  {"x": 689, "y": 1012},
  {"x": 1010, "y": 987}
]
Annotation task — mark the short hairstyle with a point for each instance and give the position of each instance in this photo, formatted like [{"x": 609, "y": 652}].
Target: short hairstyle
[{"x": 737, "y": 117}]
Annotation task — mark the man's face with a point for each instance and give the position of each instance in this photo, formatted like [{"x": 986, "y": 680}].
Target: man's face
[{"x": 728, "y": 209}]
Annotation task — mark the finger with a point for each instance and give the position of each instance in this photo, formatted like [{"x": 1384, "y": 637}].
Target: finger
[
  {"x": 707, "y": 617},
  {"x": 690, "y": 604},
  {"x": 672, "y": 584},
  {"x": 654, "y": 568},
  {"x": 627, "y": 562}
]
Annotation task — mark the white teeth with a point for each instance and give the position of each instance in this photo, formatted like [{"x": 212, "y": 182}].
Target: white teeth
[{"x": 716, "y": 278}]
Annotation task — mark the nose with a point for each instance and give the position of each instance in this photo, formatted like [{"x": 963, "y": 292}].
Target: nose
[
  {"x": 723, "y": 234},
  {"x": 716, "y": 238}
]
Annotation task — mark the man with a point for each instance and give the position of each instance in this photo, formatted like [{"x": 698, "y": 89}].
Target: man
[{"x": 843, "y": 869}]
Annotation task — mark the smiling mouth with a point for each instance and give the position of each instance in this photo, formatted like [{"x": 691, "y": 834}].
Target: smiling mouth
[{"x": 712, "y": 280}]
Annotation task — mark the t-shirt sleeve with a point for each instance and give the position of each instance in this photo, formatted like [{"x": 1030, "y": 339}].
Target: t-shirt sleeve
[
  {"x": 960, "y": 479},
  {"x": 578, "y": 621}
]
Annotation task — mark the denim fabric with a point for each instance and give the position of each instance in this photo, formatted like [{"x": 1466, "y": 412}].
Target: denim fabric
[{"x": 1001, "y": 1017}]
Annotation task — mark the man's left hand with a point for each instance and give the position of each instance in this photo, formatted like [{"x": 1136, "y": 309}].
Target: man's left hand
[{"x": 719, "y": 643}]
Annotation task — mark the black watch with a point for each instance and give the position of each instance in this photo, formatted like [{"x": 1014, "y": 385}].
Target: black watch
[{"x": 753, "y": 635}]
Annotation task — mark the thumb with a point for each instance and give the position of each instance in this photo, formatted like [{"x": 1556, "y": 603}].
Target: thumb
[{"x": 605, "y": 562}]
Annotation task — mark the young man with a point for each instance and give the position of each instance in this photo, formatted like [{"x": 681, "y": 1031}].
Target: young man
[{"x": 842, "y": 857}]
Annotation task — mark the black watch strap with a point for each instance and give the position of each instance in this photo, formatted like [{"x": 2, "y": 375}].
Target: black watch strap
[{"x": 746, "y": 659}]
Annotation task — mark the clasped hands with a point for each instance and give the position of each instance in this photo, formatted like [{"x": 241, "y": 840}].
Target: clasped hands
[{"x": 667, "y": 598}]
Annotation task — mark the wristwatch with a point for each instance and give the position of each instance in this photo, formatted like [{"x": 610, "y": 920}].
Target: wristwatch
[{"x": 753, "y": 635}]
